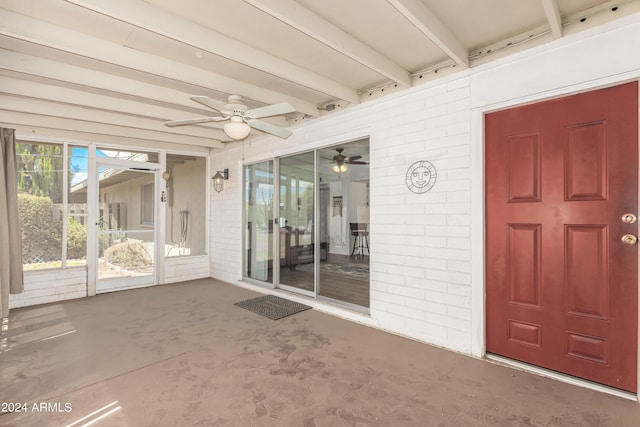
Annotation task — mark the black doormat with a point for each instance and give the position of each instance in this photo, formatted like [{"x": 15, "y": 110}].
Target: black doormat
[{"x": 272, "y": 306}]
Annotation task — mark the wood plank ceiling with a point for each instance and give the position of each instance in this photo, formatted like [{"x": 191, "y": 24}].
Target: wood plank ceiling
[{"x": 114, "y": 71}]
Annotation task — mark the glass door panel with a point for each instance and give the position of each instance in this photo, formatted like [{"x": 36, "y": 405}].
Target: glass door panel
[
  {"x": 344, "y": 223},
  {"x": 126, "y": 228},
  {"x": 296, "y": 222},
  {"x": 259, "y": 227}
]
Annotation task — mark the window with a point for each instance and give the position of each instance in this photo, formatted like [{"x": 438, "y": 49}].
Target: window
[
  {"x": 54, "y": 234},
  {"x": 146, "y": 210}
]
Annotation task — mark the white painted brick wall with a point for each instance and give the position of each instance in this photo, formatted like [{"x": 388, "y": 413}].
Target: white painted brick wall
[
  {"x": 410, "y": 231},
  {"x": 226, "y": 218}
]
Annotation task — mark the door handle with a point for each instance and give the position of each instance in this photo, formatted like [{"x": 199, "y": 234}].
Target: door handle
[
  {"x": 629, "y": 239},
  {"x": 629, "y": 218}
]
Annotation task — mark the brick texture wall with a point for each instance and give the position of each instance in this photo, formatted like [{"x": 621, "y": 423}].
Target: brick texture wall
[{"x": 420, "y": 243}]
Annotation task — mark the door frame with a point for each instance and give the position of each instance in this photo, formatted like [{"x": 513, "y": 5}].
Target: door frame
[
  {"x": 478, "y": 221},
  {"x": 92, "y": 208}
]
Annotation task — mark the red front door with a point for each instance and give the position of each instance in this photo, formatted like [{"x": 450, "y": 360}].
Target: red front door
[{"x": 561, "y": 285}]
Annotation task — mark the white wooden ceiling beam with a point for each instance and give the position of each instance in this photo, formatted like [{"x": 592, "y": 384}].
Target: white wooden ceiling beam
[
  {"x": 150, "y": 127},
  {"x": 554, "y": 17},
  {"x": 150, "y": 18},
  {"x": 65, "y": 127},
  {"x": 426, "y": 22},
  {"x": 302, "y": 19},
  {"x": 56, "y": 73},
  {"x": 154, "y": 116},
  {"x": 129, "y": 61}
]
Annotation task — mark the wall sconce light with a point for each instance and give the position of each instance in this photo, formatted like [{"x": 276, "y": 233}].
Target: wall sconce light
[{"x": 219, "y": 178}]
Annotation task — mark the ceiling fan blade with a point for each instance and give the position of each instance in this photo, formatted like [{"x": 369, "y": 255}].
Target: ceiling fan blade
[
  {"x": 184, "y": 122},
  {"x": 358, "y": 163},
  {"x": 269, "y": 128},
  {"x": 270, "y": 110},
  {"x": 214, "y": 104},
  {"x": 351, "y": 158}
]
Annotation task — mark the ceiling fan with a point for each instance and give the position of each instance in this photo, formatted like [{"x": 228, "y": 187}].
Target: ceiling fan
[
  {"x": 241, "y": 118},
  {"x": 342, "y": 161}
]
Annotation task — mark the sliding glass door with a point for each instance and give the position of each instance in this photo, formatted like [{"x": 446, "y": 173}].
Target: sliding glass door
[
  {"x": 344, "y": 223},
  {"x": 296, "y": 221},
  {"x": 306, "y": 227}
]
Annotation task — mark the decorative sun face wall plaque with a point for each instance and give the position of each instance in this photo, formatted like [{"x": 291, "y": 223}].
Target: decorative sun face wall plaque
[{"x": 421, "y": 176}]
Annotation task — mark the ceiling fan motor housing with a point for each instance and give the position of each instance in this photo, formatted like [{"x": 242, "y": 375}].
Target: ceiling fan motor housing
[{"x": 235, "y": 106}]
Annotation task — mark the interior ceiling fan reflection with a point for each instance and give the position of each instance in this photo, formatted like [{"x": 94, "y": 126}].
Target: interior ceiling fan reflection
[
  {"x": 341, "y": 161},
  {"x": 240, "y": 117}
]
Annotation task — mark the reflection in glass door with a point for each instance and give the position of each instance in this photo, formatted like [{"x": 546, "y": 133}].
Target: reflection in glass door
[
  {"x": 126, "y": 228},
  {"x": 296, "y": 223},
  {"x": 259, "y": 227},
  {"x": 344, "y": 223}
]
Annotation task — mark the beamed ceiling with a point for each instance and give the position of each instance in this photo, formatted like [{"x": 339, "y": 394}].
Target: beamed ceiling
[{"x": 114, "y": 71}]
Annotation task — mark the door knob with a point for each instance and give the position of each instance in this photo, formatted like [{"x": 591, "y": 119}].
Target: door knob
[
  {"x": 629, "y": 218},
  {"x": 629, "y": 239}
]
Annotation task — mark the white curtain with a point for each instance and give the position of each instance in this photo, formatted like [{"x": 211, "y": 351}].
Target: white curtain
[{"x": 11, "y": 280}]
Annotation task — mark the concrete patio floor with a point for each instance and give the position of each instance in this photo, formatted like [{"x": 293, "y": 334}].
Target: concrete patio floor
[{"x": 184, "y": 355}]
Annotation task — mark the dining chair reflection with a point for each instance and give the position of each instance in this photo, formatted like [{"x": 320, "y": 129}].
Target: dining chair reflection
[{"x": 360, "y": 232}]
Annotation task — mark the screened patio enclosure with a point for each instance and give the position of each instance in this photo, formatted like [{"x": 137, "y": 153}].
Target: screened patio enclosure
[{"x": 116, "y": 214}]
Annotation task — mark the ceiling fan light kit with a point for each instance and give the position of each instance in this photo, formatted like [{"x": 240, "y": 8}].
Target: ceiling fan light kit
[
  {"x": 241, "y": 118},
  {"x": 339, "y": 167},
  {"x": 237, "y": 129}
]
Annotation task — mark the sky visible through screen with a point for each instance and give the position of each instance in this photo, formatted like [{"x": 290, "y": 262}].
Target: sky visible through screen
[{"x": 80, "y": 161}]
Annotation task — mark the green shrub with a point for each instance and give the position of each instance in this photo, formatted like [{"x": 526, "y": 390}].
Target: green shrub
[
  {"x": 41, "y": 231},
  {"x": 76, "y": 239}
]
